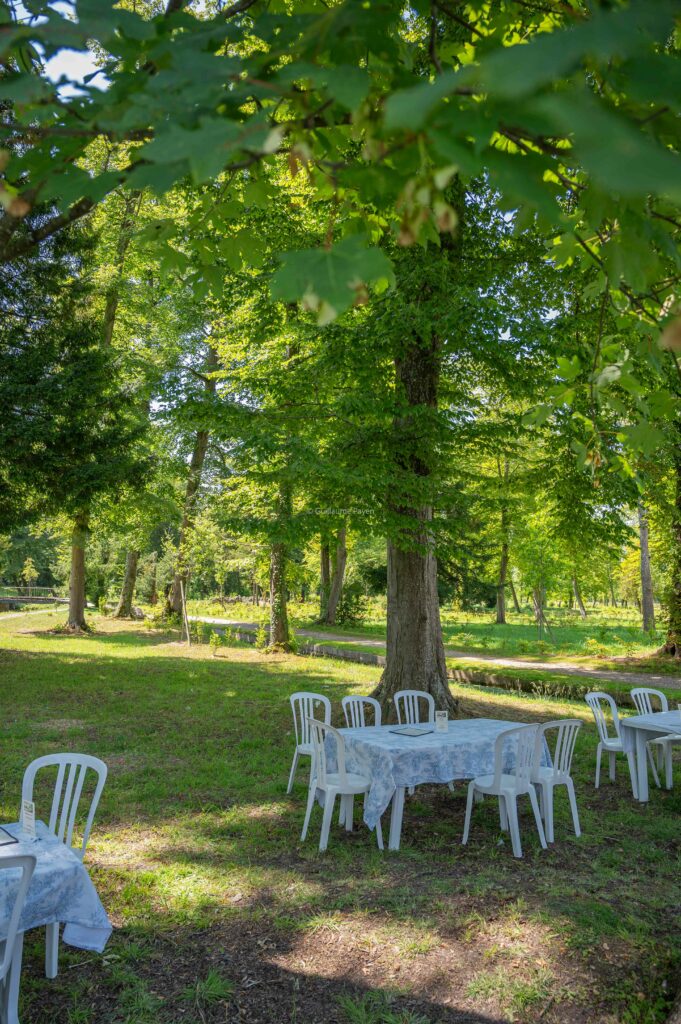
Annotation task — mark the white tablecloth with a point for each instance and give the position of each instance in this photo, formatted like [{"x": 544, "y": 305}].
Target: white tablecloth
[
  {"x": 60, "y": 890},
  {"x": 465, "y": 751},
  {"x": 658, "y": 724}
]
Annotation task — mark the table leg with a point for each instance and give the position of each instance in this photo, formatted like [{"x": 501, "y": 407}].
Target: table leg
[
  {"x": 396, "y": 819},
  {"x": 13, "y": 981},
  {"x": 642, "y": 766}
]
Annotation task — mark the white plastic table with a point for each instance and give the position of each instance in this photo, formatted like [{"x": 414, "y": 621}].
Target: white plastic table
[
  {"x": 60, "y": 890},
  {"x": 637, "y": 731},
  {"x": 394, "y": 762}
]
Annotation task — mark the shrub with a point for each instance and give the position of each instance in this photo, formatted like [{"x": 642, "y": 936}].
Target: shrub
[
  {"x": 261, "y": 637},
  {"x": 353, "y": 605},
  {"x": 215, "y": 642}
]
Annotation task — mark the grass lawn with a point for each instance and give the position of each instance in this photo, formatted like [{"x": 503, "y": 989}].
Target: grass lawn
[
  {"x": 605, "y": 633},
  {"x": 223, "y": 916}
]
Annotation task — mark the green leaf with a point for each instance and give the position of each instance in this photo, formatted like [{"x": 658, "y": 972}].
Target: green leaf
[{"x": 328, "y": 281}]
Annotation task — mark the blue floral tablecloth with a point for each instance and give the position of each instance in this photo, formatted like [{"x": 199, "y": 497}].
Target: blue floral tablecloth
[
  {"x": 465, "y": 751},
  {"x": 60, "y": 890}
]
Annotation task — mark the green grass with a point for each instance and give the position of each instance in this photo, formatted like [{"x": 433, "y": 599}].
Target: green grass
[
  {"x": 605, "y": 633},
  {"x": 221, "y": 914}
]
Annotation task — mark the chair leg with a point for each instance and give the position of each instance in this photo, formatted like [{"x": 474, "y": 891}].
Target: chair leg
[
  {"x": 469, "y": 811},
  {"x": 546, "y": 796},
  {"x": 326, "y": 820},
  {"x": 308, "y": 811},
  {"x": 612, "y": 754},
  {"x": 599, "y": 750},
  {"x": 633, "y": 774},
  {"x": 503, "y": 817},
  {"x": 9, "y": 989},
  {"x": 573, "y": 806},
  {"x": 537, "y": 816},
  {"x": 341, "y": 811},
  {"x": 668, "y": 771},
  {"x": 411, "y": 790},
  {"x": 512, "y": 812},
  {"x": 651, "y": 758},
  {"x": 292, "y": 773},
  {"x": 379, "y": 835},
  {"x": 450, "y": 787},
  {"x": 349, "y": 811},
  {"x": 51, "y": 950}
]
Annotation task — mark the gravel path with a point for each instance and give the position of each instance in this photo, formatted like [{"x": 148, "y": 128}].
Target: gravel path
[{"x": 561, "y": 667}]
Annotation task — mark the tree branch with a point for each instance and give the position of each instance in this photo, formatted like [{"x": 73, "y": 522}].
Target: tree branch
[{"x": 11, "y": 251}]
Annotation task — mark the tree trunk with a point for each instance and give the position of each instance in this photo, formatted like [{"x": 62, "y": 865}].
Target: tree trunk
[
  {"x": 131, "y": 207},
  {"x": 501, "y": 585},
  {"x": 612, "y": 592},
  {"x": 174, "y": 602},
  {"x": 336, "y": 587},
  {"x": 325, "y": 582},
  {"x": 539, "y": 613},
  {"x": 124, "y": 609},
  {"x": 672, "y": 644},
  {"x": 415, "y": 656},
  {"x": 279, "y": 628},
  {"x": 516, "y": 603},
  {"x": 153, "y": 597},
  {"x": 647, "y": 603},
  {"x": 578, "y": 597},
  {"x": 76, "y": 620}
]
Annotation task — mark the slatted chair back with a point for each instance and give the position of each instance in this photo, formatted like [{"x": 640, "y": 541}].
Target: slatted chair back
[
  {"x": 560, "y": 738},
  {"x": 318, "y": 733},
  {"x": 305, "y": 706},
  {"x": 25, "y": 864},
  {"x": 355, "y": 709},
  {"x": 522, "y": 742},
  {"x": 408, "y": 706},
  {"x": 598, "y": 701},
  {"x": 644, "y": 698},
  {"x": 68, "y": 791}
]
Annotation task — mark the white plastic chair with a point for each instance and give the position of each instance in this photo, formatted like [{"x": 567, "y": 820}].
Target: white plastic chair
[
  {"x": 611, "y": 744},
  {"x": 508, "y": 786},
  {"x": 11, "y": 948},
  {"x": 304, "y": 706},
  {"x": 643, "y": 698},
  {"x": 346, "y": 785},
  {"x": 71, "y": 772},
  {"x": 409, "y": 713},
  {"x": 407, "y": 705},
  {"x": 546, "y": 778},
  {"x": 355, "y": 708}
]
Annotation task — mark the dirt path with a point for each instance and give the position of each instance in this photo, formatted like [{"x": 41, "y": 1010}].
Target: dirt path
[{"x": 560, "y": 667}]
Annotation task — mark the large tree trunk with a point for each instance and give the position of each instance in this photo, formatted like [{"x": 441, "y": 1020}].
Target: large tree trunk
[
  {"x": 647, "y": 602},
  {"x": 336, "y": 586},
  {"x": 76, "y": 620},
  {"x": 325, "y": 580},
  {"x": 174, "y": 602},
  {"x": 279, "y": 627},
  {"x": 415, "y": 656},
  {"x": 673, "y": 598},
  {"x": 516, "y": 603},
  {"x": 124, "y": 609},
  {"x": 578, "y": 597}
]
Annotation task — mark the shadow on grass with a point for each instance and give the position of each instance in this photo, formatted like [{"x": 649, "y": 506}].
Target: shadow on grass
[{"x": 196, "y": 849}]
